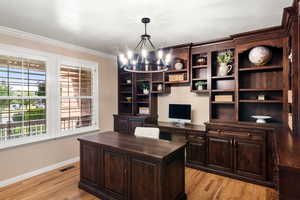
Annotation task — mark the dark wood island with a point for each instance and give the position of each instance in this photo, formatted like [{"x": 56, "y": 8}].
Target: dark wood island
[{"x": 119, "y": 166}]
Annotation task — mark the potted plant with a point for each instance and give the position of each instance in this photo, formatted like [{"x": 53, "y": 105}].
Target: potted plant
[
  {"x": 224, "y": 59},
  {"x": 200, "y": 85},
  {"x": 145, "y": 88}
]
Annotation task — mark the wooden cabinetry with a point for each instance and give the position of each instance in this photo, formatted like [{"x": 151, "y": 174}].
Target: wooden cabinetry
[
  {"x": 127, "y": 124},
  {"x": 90, "y": 154},
  {"x": 119, "y": 166},
  {"x": 250, "y": 158},
  {"x": 236, "y": 150},
  {"x": 196, "y": 150},
  {"x": 115, "y": 169},
  {"x": 219, "y": 153}
]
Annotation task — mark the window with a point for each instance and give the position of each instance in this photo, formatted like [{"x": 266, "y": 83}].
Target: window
[
  {"x": 76, "y": 97},
  {"x": 45, "y": 96},
  {"x": 22, "y": 97}
]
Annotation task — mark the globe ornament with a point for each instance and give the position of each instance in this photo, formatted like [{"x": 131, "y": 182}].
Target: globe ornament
[{"x": 260, "y": 55}]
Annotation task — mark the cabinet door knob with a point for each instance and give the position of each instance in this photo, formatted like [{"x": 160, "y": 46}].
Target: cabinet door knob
[{"x": 249, "y": 135}]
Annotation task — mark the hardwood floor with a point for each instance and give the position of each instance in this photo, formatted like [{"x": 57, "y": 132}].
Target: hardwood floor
[{"x": 56, "y": 185}]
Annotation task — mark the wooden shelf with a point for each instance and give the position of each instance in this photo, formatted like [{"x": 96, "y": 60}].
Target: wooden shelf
[
  {"x": 142, "y": 94},
  {"x": 124, "y": 72},
  {"x": 199, "y": 67},
  {"x": 157, "y": 81},
  {"x": 126, "y": 84},
  {"x": 261, "y": 101},
  {"x": 199, "y": 79},
  {"x": 143, "y": 80},
  {"x": 126, "y": 102},
  {"x": 172, "y": 82},
  {"x": 175, "y": 70},
  {"x": 223, "y": 102},
  {"x": 257, "y": 89},
  {"x": 261, "y": 68},
  {"x": 126, "y": 92},
  {"x": 142, "y": 102},
  {"x": 157, "y": 92},
  {"x": 223, "y": 77},
  {"x": 223, "y": 90},
  {"x": 200, "y": 91}
]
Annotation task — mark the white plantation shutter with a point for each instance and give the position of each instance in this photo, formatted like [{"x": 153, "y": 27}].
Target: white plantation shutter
[
  {"x": 22, "y": 98},
  {"x": 45, "y": 96},
  {"x": 76, "y": 97}
]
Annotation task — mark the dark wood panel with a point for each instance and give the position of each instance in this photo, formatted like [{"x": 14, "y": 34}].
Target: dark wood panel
[
  {"x": 123, "y": 126},
  {"x": 250, "y": 159},
  {"x": 115, "y": 172},
  {"x": 147, "y": 187},
  {"x": 89, "y": 158},
  {"x": 220, "y": 153},
  {"x": 175, "y": 181},
  {"x": 196, "y": 152}
]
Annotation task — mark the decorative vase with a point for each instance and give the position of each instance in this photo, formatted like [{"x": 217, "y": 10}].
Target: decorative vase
[
  {"x": 224, "y": 69},
  {"x": 146, "y": 91},
  {"x": 200, "y": 87},
  {"x": 201, "y": 61},
  {"x": 260, "y": 55},
  {"x": 159, "y": 87},
  {"x": 178, "y": 65}
]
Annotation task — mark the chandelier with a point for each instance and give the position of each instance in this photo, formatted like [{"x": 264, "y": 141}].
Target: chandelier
[{"x": 145, "y": 58}]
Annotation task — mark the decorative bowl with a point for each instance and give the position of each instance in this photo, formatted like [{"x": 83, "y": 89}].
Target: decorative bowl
[
  {"x": 260, "y": 55},
  {"x": 129, "y": 99},
  {"x": 261, "y": 118}
]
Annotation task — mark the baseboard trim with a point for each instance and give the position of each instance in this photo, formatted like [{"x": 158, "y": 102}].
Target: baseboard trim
[{"x": 37, "y": 172}]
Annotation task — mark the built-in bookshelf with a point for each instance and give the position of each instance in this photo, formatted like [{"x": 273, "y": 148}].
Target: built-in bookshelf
[
  {"x": 261, "y": 88},
  {"x": 233, "y": 97},
  {"x": 179, "y": 76},
  {"x": 223, "y": 89},
  {"x": 199, "y": 71},
  {"x": 126, "y": 93}
]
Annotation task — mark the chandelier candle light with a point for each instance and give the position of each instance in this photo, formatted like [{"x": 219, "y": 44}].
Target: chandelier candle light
[{"x": 145, "y": 58}]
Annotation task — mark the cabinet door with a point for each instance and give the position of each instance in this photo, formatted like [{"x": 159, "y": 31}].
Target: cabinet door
[
  {"x": 250, "y": 158},
  {"x": 196, "y": 152},
  {"x": 89, "y": 155},
  {"x": 123, "y": 125},
  {"x": 220, "y": 153},
  {"x": 144, "y": 183},
  {"x": 115, "y": 173},
  {"x": 133, "y": 124}
]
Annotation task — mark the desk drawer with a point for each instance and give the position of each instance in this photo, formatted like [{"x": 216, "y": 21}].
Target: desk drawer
[
  {"x": 196, "y": 138},
  {"x": 241, "y": 135},
  {"x": 234, "y": 129}
]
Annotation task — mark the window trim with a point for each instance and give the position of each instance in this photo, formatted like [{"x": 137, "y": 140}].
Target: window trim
[{"x": 53, "y": 63}]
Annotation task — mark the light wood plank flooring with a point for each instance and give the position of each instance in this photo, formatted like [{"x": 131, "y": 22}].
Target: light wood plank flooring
[{"x": 56, "y": 185}]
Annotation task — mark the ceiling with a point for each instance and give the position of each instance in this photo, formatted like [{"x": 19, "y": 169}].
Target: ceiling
[{"x": 113, "y": 25}]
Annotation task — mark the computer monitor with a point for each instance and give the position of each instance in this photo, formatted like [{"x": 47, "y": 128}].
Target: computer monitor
[{"x": 180, "y": 113}]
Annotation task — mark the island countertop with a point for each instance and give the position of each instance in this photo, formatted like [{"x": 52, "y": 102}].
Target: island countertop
[{"x": 155, "y": 148}]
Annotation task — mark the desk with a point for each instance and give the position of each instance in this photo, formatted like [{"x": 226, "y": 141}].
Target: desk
[{"x": 120, "y": 166}]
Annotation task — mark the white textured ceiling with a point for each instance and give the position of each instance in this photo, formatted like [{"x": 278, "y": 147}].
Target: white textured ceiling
[{"x": 112, "y": 25}]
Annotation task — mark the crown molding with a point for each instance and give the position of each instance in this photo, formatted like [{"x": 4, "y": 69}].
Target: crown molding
[{"x": 49, "y": 41}]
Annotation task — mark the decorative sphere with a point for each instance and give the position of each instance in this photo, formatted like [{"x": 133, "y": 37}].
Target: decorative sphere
[{"x": 260, "y": 55}]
